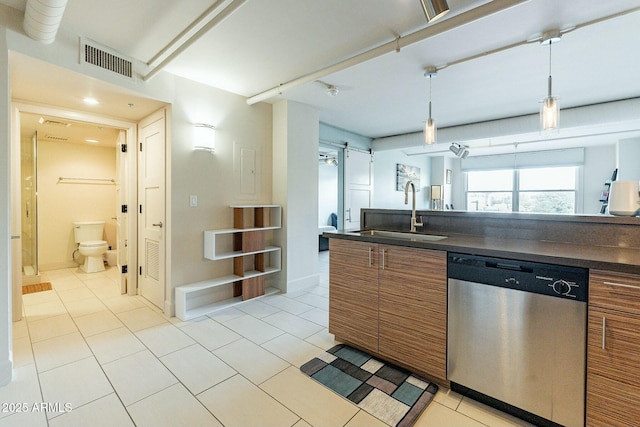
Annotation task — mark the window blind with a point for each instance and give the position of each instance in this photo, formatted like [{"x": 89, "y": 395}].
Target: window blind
[{"x": 533, "y": 159}]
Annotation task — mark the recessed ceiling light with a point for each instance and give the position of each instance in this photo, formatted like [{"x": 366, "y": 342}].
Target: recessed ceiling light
[
  {"x": 93, "y": 141},
  {"x": 91, "y": 101}
]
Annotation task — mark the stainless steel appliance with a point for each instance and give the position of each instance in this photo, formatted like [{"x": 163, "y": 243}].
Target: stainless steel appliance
[{"x": 517, "y": 336}]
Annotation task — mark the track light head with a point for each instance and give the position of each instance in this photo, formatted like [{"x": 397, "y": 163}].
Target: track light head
[
  {"x": 434, "y": 9},
  {"x": 459, "y": 150}
]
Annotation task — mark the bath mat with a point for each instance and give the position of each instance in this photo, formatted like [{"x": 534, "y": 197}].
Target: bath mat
[
  {"x": 392, "y": 394},
  {"x": 39, "y": 287}
]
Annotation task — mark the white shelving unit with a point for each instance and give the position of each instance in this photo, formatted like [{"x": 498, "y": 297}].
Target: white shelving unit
[{"x": 252, "y": 260}]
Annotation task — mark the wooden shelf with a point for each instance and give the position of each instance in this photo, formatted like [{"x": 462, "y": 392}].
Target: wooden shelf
[{"x": 252, "y": 260}]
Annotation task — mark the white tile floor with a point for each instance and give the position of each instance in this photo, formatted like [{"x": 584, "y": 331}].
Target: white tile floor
[{"x": 116, "y": 361}]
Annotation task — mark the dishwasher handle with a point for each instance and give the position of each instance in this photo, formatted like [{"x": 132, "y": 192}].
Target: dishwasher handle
[{"x": 508, "y": 266}]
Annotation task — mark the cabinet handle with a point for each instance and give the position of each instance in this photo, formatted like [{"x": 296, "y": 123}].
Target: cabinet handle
[
  {"x": 383, "y": 253},
  {"x": 604, "y": 335},
  {"x": 620, "y": 285},
  {"x": 370, "y": 254}
]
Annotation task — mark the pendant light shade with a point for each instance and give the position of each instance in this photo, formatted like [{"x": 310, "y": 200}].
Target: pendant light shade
[
  {"x": 434, "y": 9},
  {"x": 430, "y": 131},
  {"x": 550, "y": 107},
  {"x": 550, "y": 112},
  {"x": 430, "y": 125}
]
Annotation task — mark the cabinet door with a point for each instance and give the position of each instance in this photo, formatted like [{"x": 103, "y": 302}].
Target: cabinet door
[
  {"x": 613, "y": 383},
  {"x": 413, "y": 309},
  {"x": 353, "y": 292}
]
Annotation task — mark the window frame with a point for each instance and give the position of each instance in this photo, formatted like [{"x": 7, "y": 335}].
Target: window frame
[{"x": 515, "y": 189}]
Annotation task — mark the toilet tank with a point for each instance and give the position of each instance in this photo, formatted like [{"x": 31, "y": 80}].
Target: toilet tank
[{"x": 85, "y": 231}]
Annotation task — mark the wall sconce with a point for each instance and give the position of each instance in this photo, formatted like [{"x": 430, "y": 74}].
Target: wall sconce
[{"x": 204, "y": 137}]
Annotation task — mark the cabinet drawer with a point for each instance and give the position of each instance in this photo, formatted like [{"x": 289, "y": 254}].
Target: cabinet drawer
[{"x": 616, "y": 291}]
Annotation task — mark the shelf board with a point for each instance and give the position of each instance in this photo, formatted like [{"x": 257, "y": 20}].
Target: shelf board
[
  {"x": 254, "y": 206},
  {"x": 241, "y": 230},
  {"x": 235, "y": 254},
  {"x": 223, "y": 280},
  {"x": 192, "y": 313}
]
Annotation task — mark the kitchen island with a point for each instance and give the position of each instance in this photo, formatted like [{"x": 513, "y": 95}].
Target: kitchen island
[{"x": 402, "y": 313}]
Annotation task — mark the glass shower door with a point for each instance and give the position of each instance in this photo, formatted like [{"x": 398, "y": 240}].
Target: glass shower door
[{"x": 29, "y": 149}]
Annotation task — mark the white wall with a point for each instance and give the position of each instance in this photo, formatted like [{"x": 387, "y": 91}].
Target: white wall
[
  {"x": 385, "y": 195},
  {"x": 213, "y": 178},
  {"x": 61, "y": 203},
  {"x": 6, "y": 364},
  {"x": 629, "y": 159},
  {"x": 295, "y": 187},
  {"x": 327, "y": 192}
]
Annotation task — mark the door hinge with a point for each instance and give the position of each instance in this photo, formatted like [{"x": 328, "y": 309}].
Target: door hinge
[
  {"x": 124, "y": 208},
  {"x": 125, "y": 269},
  {"x": 140, "y": 270},
  {"x": 123, "y": 148}
]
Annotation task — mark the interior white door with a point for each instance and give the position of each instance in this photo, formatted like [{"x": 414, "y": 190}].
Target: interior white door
[
  {"x": 122, "y": 231},
  {"x": 151, "y": 208},
  {"x": 358, "y": 185}
]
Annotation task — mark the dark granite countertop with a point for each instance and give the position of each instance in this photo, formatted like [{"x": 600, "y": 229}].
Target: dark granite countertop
[{"x": 613, "y": 258}]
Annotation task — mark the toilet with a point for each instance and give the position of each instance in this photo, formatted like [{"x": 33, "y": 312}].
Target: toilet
[{"x": 88, "y": 235}]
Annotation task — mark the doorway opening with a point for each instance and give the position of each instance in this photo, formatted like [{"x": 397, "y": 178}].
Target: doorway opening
[{"x": 73, "y": 169}]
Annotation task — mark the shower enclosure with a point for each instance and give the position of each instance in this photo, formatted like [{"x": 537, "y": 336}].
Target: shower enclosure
[{"x": 29, "y": 161}]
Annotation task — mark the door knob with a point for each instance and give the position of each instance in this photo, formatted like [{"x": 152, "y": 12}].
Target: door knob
[{"x": 158, "y": 224}]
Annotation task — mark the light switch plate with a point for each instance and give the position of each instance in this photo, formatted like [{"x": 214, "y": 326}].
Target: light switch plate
[{"x": 193, "y": 200}]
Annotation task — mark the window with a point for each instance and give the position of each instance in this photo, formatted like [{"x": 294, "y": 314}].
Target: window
[
  {"x": 490, "y": 191},
  {"x": 539, "y": 190}
]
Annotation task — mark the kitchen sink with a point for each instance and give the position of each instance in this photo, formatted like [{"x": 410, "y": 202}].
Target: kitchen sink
[{"x": 414, "y": 237}]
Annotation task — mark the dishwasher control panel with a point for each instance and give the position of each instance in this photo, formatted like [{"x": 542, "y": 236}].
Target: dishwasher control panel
[{"x": 546, "y": 279}]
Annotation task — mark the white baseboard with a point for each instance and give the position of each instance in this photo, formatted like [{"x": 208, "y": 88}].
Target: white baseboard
[
  {"x": 169, "y": 309},
  {"x": 57, "y": 265},
  {"x": 6, "y": 371},
  {"x": 303, "y": 283}
]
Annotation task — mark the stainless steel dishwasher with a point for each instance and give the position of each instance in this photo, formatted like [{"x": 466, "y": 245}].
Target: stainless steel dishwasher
[{"x": 516, "y": 336}]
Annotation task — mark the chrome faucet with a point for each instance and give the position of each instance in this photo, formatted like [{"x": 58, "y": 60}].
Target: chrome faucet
[{"x": 414, "y": 222}]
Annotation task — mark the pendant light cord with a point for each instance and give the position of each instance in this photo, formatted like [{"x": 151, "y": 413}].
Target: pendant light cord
[
  {"x": 430, "y": 76},
  {"x": 549, "y": 83}
]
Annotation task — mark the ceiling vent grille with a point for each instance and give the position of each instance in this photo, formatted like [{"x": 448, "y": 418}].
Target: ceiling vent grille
[
  {"x": 56, "y": 138},
  {"x": 94, "y": 54},
  {"x": 49, "y": 122}
]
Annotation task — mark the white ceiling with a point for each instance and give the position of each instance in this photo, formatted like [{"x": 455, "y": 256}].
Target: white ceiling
[{"x": 265, "y": 44}]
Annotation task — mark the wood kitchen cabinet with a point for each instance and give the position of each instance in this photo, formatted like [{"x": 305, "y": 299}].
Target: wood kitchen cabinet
[
  {"x": 613, "y": 349},
  {"x": 353, "y": 292},
  {"x": 391, "y": 301},
  {"x": 413, "y": 308}
]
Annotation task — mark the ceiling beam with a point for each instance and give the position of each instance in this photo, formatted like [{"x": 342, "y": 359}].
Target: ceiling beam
[
  {"x": 211, "y": 17},
  {"x": 395, "y": 45}
]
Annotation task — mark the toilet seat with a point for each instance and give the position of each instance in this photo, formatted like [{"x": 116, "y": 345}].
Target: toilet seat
[{"x": 93, "y": 243}]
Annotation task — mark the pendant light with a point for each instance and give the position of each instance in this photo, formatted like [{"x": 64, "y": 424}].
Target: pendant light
[
  {"x": 434, "y": 9},
  {"x": 550, "y": 107},
  {"x": 430, "y": 124}
]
